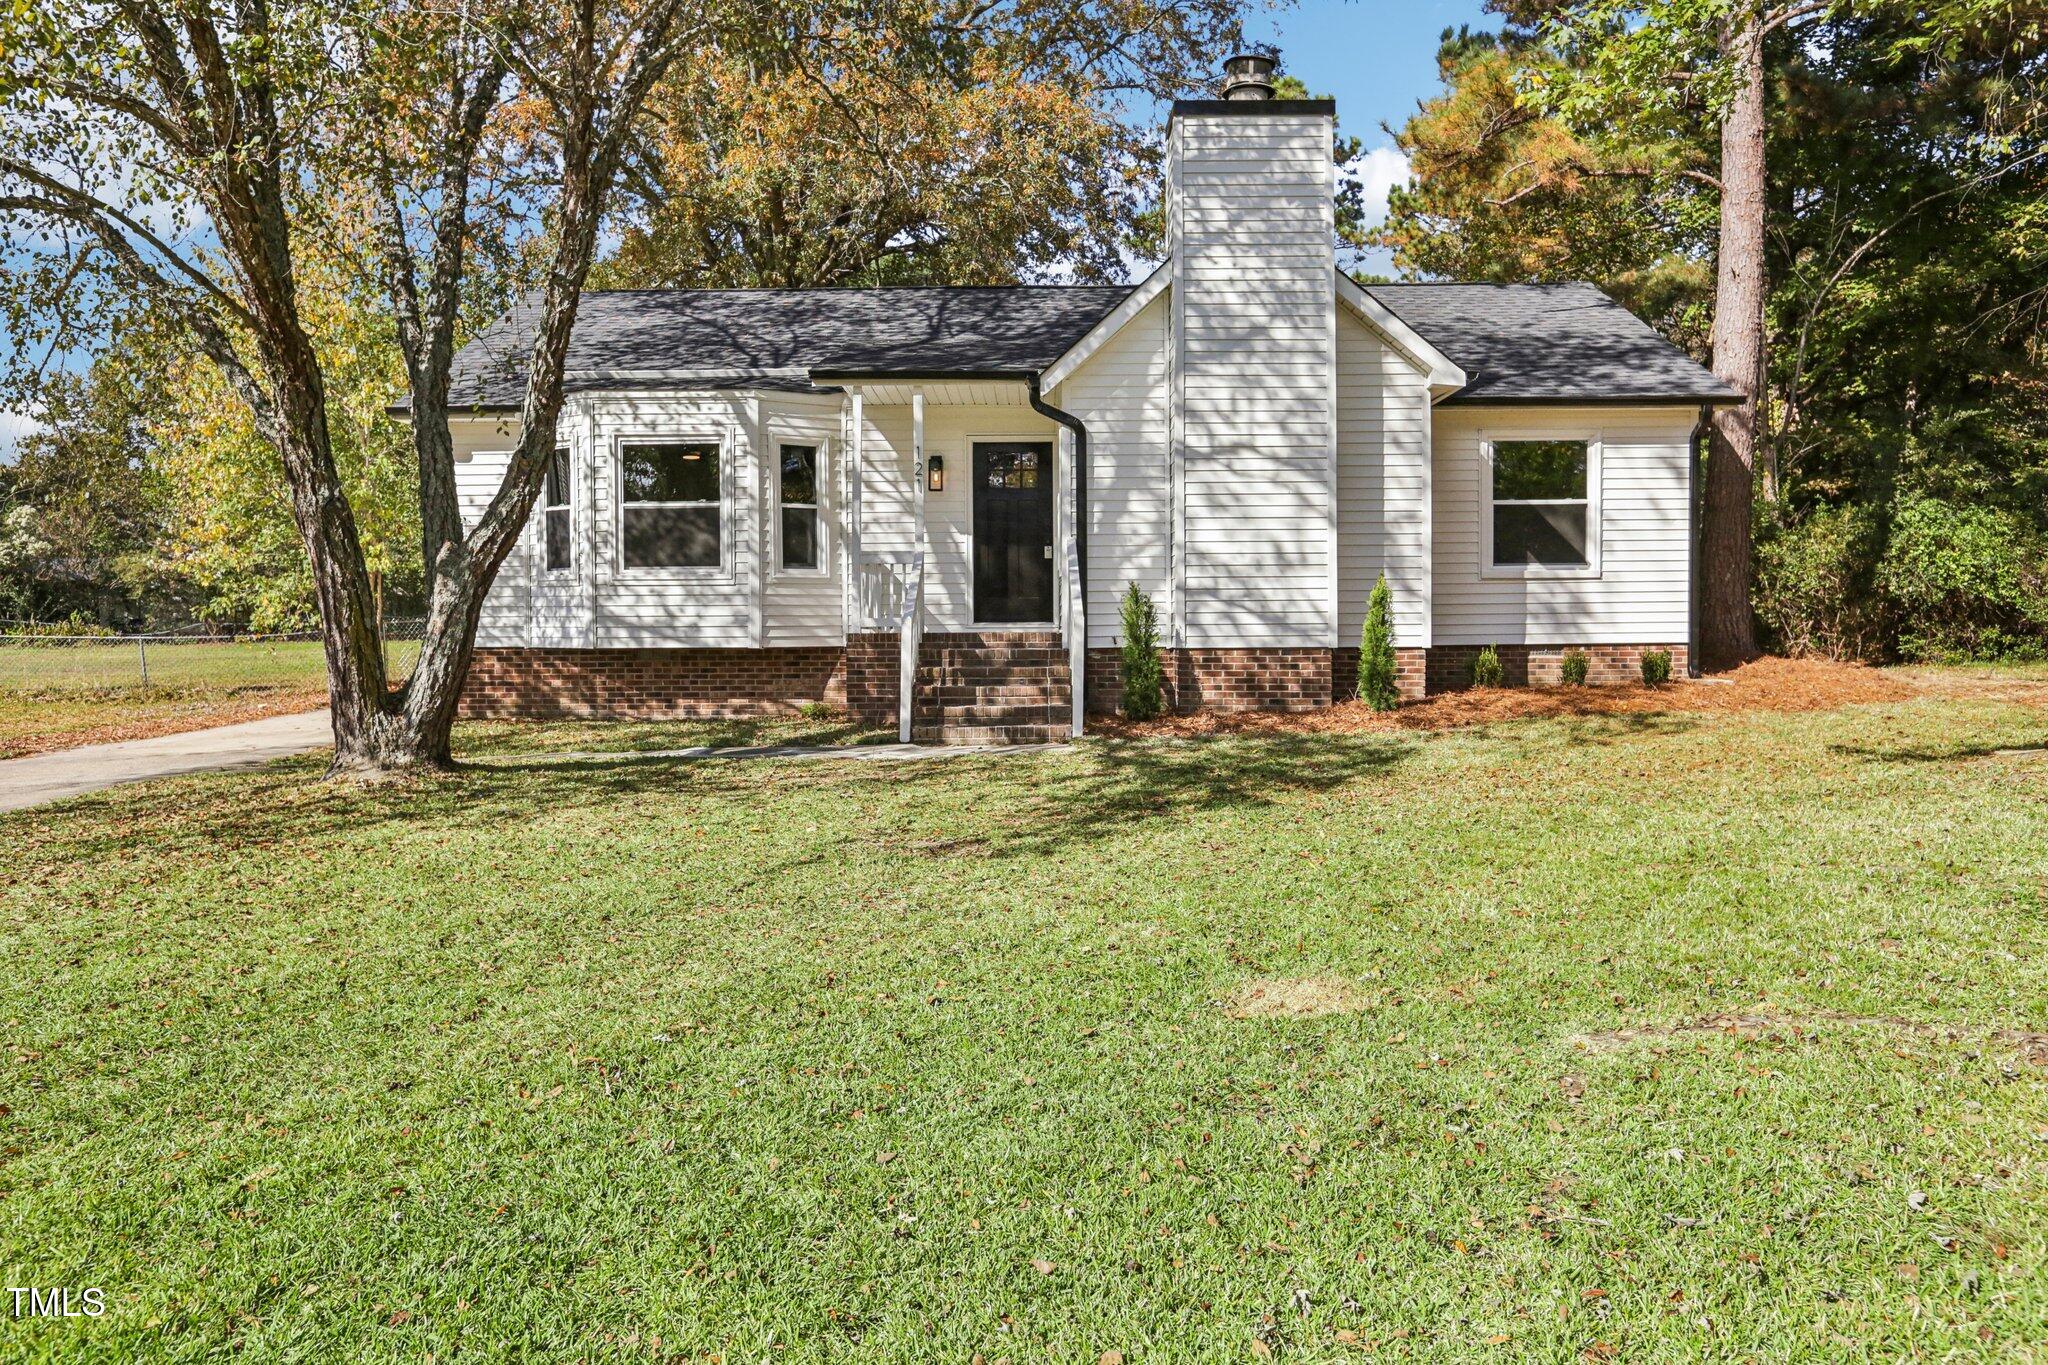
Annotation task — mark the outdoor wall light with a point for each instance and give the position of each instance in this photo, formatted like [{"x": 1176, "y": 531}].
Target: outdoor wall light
[{"x": 935, "y": 475}]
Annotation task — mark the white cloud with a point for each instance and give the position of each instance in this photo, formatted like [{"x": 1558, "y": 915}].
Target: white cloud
[
  {"x": 13, "y": 427},
  {"x": 1377, "y": 172}
]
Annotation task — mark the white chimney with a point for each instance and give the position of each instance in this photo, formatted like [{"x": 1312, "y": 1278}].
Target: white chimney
[{"x": 1250, "y": 226}]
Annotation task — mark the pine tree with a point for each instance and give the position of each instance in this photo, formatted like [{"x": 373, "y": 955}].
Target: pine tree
[
  {"x": 1376, "y": 686},
  {"x": 1142, "y": 676}
]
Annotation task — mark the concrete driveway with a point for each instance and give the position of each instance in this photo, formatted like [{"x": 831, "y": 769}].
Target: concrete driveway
[{"x": 39, "y": 778}]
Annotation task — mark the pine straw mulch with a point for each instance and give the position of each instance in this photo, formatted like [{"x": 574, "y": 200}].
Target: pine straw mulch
[
  {"x": 1765, "y": 685},
  {"x": 178, "y": 719}
]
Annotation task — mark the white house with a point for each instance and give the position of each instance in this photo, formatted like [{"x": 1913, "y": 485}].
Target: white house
[{"x": 925, "y": 503}]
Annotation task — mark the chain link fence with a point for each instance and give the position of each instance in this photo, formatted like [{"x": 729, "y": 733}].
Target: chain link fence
[{"x": 193, "y": 660}]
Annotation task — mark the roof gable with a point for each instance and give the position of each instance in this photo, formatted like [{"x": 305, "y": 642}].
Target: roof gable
[{"x": 1549, "y": 343}]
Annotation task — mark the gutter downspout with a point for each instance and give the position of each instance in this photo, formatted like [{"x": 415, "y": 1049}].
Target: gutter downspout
[
  {"x": 1080, "y": 430},
  {"x": 1692, "y": 543}
]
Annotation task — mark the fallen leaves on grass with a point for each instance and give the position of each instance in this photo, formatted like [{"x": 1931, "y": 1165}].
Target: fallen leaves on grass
[
  {"x": 1293, "y": 997},
  {"x": 2032, "y": 1047},
  {"x": 1765, "y": 685},
  {"x": 174, "y": 718}
]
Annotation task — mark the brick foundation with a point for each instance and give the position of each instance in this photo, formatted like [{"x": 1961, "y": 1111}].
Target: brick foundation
[
  {"x": 653, "y": 684},
  {"x": 1410, "y": 670},
  {"x": 658, "y": 684},
  {"x": 1450, "y": 666},
  {"x": 874, "y": 678},
  {"x": 1278, "y": 679}
]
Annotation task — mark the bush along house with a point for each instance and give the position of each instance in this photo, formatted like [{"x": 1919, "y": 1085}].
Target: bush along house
[{"x": 924, "y": 504}]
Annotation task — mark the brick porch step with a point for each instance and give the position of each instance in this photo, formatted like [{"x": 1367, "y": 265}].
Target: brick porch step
[
  {"x": 991, "y": 677},
  {"x": 1003, "y": 687},
  {"x": 995, "y": 658},
  {"x": 989, "y": 734},
  {"x": 999, "y": 713},
  {"x": 1055, "y": 693}
]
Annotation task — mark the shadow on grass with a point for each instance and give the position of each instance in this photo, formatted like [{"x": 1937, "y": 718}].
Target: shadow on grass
[
  {"x": 480, "y": 739},
  {"x": 2017, "y": 750},
  {"x": 1007, "y": 805}
]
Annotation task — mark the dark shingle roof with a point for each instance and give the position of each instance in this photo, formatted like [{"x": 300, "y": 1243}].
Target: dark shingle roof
[
  {"x": 718, "y": 338},
  {"x": 1516, "y": 342},
  {"x": 1554, "y": 343}
]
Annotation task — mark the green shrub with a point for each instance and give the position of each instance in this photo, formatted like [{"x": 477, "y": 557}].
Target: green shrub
[
  {"x": 1656, "y": 667},
  {"x": 1486, "y": 669},
  {"x": 78, "y": 624},
  {"x": 1376, "y": 685},
  {"x": 1967, "y": 582},
  {"x": 1815, "y": 590},
  {"x": 1573, "y": 667},
  {"x": 1142, "y": 678}
]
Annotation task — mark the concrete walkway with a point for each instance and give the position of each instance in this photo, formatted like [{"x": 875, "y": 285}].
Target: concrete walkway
[
  {"x": 73, "y": 772},
  {"x": 39, "y": 778},
  {"x": 860, "y": 753}
]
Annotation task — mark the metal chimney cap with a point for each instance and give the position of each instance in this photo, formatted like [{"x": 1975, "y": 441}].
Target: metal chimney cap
[{"x": 1248, "y": 76}]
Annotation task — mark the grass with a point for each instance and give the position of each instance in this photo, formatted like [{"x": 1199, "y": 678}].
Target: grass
[
  {"x": 57, "y": 693},
  {"x": 515, "y": 737},
  {"x": 786, "y": 1060}
]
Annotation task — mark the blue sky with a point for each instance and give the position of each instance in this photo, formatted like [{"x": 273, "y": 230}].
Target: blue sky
[{"x": 1377, "y": 57}]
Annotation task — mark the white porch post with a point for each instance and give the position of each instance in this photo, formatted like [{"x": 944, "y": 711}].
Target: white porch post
[
  {"x": 854, "y": 608},
  {"x": 1077, "y": 606},
  {"x": 913, "y": 589}
]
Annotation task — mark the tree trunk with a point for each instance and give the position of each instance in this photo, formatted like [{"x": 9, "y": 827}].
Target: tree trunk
[{"x": 1727, "y": 626}]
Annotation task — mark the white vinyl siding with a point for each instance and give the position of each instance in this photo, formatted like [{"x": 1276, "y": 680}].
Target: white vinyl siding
[
  {"x": 482, "y": 449},
  {"x": 805, "y": 606},
  {"x": 1383, "y": 473},
  {"x": 1120, "y": 396},
  {"x": 1639, "y": 595},
  {"x": 601, "y": 604},
  {"x": 1253, "y": 301},
  {"x": 950, "y": 431}
]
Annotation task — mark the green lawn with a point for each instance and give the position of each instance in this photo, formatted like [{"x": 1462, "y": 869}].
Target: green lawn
[
  {"x": 793, "y": 1060},
  {"x": 59, "y": 692},
  {"x": 64, "y": 665}
]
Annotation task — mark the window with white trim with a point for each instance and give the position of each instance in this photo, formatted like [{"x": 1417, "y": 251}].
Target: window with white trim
[
  {"x": 670, "y": 505},
  {"x": 1541, "y": 504},
  {"x": 554, "y": 511},
  {"x": 797, "y": 492}
]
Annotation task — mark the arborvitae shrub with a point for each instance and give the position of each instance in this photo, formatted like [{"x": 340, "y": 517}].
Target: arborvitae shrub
[
  {"x": 1376, "y": 685},
  {"x": 1573, "y": 667},
  {"x": 1142, "y": 678},
  {"x": 1486, "y": 670},
  {"x": 1656, "y": 666}
]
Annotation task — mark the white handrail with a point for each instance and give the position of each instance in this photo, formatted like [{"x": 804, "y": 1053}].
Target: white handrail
[
  {"x": 909, "y": 641},
  {"x": 1077, "y": 606},
  {"x": 1077, "y": 637}
]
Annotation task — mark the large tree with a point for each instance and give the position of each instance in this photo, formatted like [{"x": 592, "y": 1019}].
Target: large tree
[
  {"x": 1899, "y": 244},
  {"x": 886, "y": 143},
  {"x": 183, "y": 150}
]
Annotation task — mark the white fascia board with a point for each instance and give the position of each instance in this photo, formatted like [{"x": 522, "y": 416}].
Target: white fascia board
[
  {"x": 1444, "y": 377},
  {"x": 1098, "y": 336}
]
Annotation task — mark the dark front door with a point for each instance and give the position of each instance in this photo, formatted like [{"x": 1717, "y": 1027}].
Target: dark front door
[{"x": 1012, "y": 532}]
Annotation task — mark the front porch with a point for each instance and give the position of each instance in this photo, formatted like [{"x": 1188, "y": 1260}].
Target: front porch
[{"x": 964, "y": 604}]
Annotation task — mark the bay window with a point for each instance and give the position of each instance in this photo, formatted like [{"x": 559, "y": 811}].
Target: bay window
[
  {"x": 797, "y": 492},
  {"x": 670, "y": 505}
]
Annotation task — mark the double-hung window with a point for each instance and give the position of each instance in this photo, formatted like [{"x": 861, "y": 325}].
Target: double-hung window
[
  {"x": 554, "y": 513},
  {"x": 798, "y": 493},
  {"x": 1542, "y": 515},
  {"x": 670, "y": 505}
]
